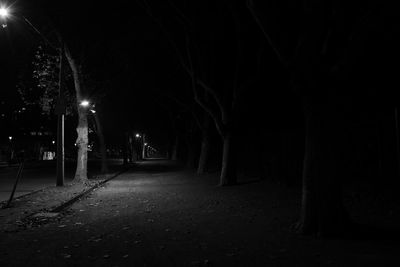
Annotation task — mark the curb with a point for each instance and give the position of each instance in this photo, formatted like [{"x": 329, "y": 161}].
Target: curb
[
  {"x": 84, "y": 193},
  {"x": 4, "y": 202}
]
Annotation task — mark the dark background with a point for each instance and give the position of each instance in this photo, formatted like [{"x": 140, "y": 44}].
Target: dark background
[{"x": 126, "y": 51}]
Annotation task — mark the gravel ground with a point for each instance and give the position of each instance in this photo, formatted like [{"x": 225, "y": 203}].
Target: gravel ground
[{"x": 157, "y": 215}]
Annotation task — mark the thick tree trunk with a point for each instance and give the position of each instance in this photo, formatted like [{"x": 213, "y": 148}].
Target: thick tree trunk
[
  {"x": 82, "y": 128},
  {"x": 204, "y": 153},
  {"x": 228, "y": 172},
  {"x": 322, "y": 210},
  {"x": 205, "y": 145},
  {"x": 191, "y": 155},
  {"x": 175, "y": 149},
  {"x": 125, "y": 149},
  {"x": 143, "y": 147},
  {"x": 82, "y": 143},
  {"x": 191, "y": 147},
  {"x": 132, "y": 146}
]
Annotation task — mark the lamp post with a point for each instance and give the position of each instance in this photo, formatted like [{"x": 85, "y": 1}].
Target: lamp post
[
  {"x": 60, "y": 111},
  {"x": 61, "y": 105}
]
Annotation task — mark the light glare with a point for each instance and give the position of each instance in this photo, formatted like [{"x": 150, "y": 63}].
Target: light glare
[
  {"x": 4, "y": 12},
  {"x": 84, "y": 103}
]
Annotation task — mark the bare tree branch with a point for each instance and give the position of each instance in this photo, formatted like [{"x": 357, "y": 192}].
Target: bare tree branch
[
  {"x": 186, "y": 107},
  {"x": 218, "y": 122},
  {"x": 282, "y": 60},
  {"x": 76, "y": 72},
  {"x": 183, "y": 61},
  {"x": 238, "y": 50}
]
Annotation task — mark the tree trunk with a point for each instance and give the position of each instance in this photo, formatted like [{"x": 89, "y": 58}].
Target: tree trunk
[
  {"x": 102, "y": 142},
  {"x": 175, "y": 149},
  {"x": 205, "y": 147},
  {"x": 228, "y": 171},
  {"x": 125, "y": 149},
  {"x": 82, "y": 128},
  {"x": 143, "y": 147},
  {"x": 82, "y": 143},
  {"x": 191, "y": 147},
  {"x": 322, "y": 210},
  {"x": 204, "y": 153},
  {"x": 191, "y": 154}
]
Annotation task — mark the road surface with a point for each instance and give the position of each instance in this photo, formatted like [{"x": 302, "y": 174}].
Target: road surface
[{"x": 156, "y": 215}]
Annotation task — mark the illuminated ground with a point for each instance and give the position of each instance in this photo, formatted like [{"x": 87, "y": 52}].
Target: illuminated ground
[{"x": 157, "y": 215}]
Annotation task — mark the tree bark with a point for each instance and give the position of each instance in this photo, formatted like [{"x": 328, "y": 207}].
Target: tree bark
[
  {"x": 82, "y": 128},
  {"x": 125, "y": 149},
  {"x": 322, "y": 210},
  {"x": 175, "y": 149},
  {"x": 190, "y": 156},
  {"x": 82, "y": 143},
  {"x": 205, "y": 146},
  {"x": 228, "y": 171}
]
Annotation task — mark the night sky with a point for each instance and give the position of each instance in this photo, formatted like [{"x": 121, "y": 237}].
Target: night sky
[{"x": 129, "y": 55}]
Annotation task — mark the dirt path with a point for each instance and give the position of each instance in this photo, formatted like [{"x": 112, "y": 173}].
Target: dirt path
[{"x": 156, "y": 215}]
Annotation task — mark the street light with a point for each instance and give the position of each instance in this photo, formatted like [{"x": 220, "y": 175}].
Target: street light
[
  {"x": 137, "y": 135},
  {"x": 4, "y": 12},
  {"x": 84, "y": 103}
]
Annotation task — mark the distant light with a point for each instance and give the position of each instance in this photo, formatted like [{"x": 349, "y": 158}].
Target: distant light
[
  {"x": 4, "y": 12},
  {"x": 145, "y": 144},
  {"x": 85, "y": 103},
  {"x": 93, "y": 111},
  {"x": 137, "y": 135},
  {"x": 53, "y": 142},
  {"x": 10, "y": 137}
]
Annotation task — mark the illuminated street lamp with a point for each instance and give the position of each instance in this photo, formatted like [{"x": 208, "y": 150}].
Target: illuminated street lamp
[
  {"x": 10, "y": 138},
  {"x": 137, "y": 135},
  {"x": 4, "y": 12},
  {"x": 84, "y": 103}
]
